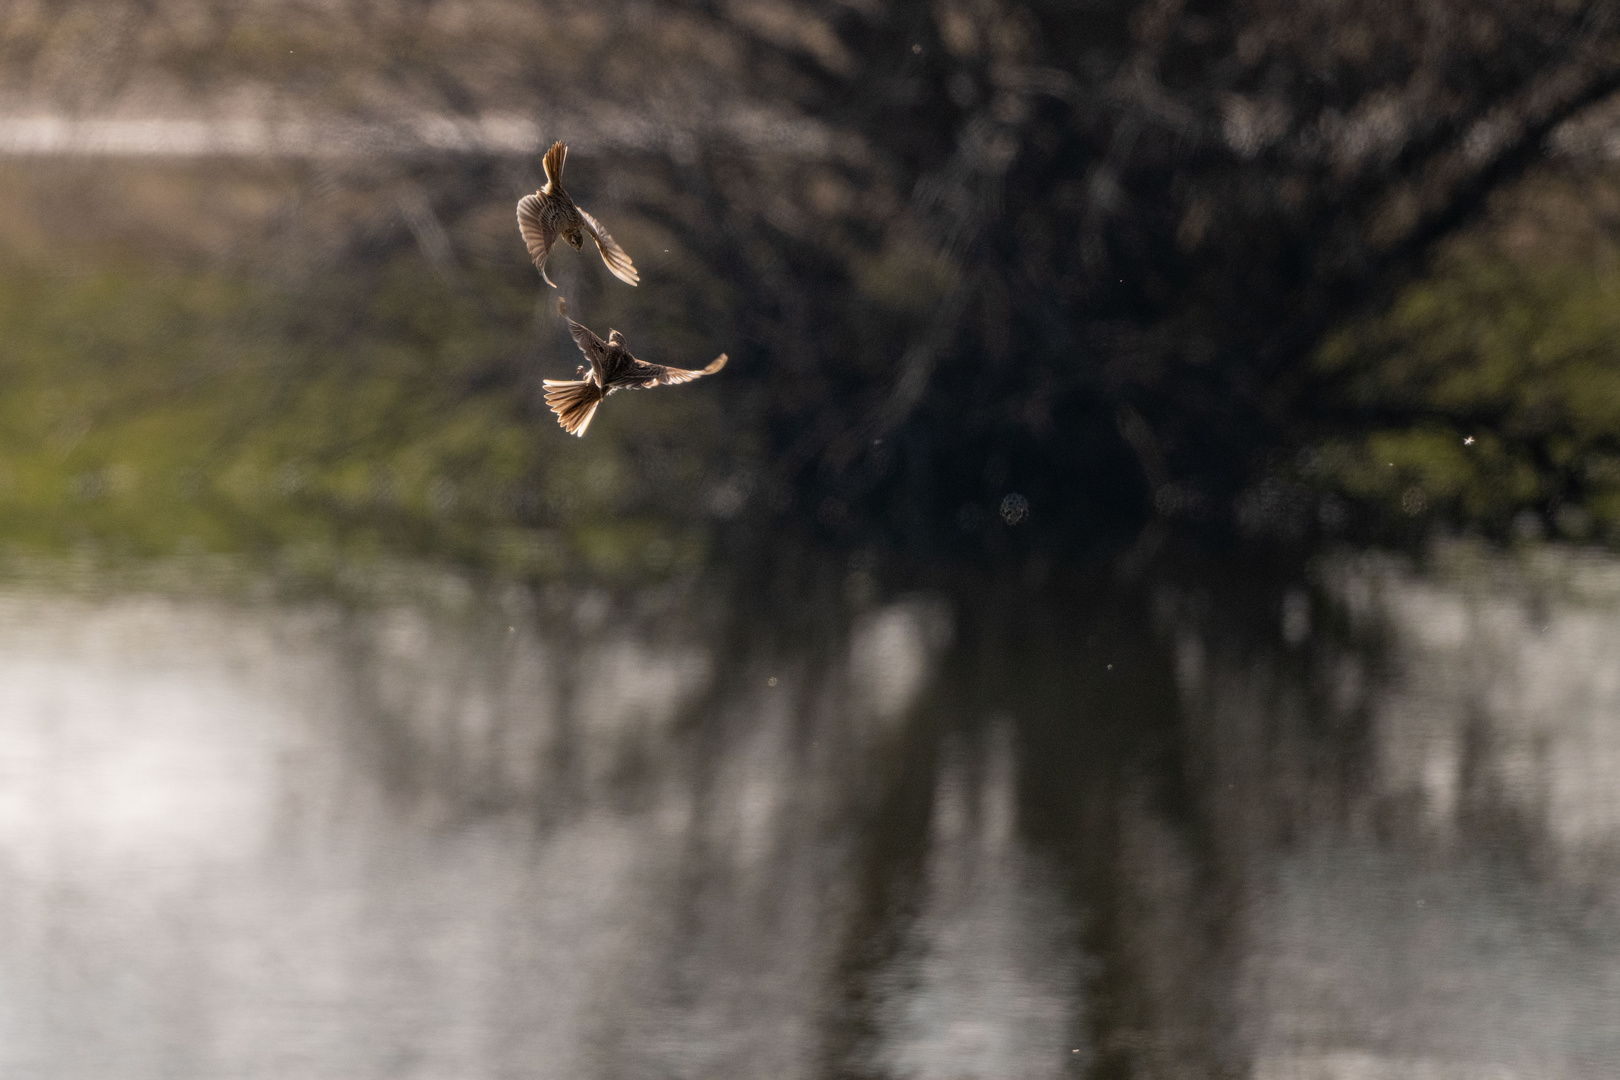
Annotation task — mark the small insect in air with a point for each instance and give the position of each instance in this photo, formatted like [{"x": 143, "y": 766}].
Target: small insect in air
[
  {"x": 612, "y": 368},
  {"x": 550, "y": 213}
]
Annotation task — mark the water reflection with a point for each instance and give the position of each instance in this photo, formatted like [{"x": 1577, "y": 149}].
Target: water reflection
[
  {"x": 1419, "y": 822},
  {"x": 987, "y": 983},
  {"x": 1357, "y": 825}
]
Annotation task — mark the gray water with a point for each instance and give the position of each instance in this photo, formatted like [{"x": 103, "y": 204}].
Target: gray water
[{"x": 1362, "y": 825}]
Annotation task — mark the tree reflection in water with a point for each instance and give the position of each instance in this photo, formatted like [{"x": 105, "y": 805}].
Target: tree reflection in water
[{"x": 1358, "y": 825}]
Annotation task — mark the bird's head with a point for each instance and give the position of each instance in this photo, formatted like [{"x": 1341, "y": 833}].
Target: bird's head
[
  {"x": 615, "y": 338},
  {"x": 575, "y": 238}
]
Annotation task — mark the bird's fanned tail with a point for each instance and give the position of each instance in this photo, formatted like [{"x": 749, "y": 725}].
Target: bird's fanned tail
[
  {"x": 553, "y": 164},
  {"x": 574, "y": 402}
]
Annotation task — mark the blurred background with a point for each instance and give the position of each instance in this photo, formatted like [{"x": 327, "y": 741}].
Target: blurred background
[{"x": 1142, "y": 600}]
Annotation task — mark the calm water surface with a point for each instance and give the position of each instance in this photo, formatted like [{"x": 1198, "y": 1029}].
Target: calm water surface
[{"x": 1361, "y": 825}]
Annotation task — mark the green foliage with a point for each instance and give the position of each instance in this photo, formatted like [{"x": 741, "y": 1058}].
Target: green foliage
[
  {"x": 906, "y": 280},
  {"x": 149, "y": 415},
  {"x": 1489, "y": 387}
]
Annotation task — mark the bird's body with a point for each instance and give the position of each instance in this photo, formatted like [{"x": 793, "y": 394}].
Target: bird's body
[
  {"x": 612, "y": 368},
  {"x": 550, "y": 213}
]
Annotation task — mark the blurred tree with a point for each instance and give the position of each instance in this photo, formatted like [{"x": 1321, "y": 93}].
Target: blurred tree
[
  {"x": 961, "y": 250},
  {"x": 1488, "y": 392},
  {"x": 1127, "y": 226}
]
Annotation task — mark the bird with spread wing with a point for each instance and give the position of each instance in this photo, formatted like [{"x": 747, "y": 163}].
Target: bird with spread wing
[
  {"x": 611, "y": 368},
  {"x": 550, "y": 213}
]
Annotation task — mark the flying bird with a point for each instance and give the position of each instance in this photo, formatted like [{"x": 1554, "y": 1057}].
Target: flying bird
[
  {"x": 550, "y": 213},
  {"x": 611, "y": 368}
]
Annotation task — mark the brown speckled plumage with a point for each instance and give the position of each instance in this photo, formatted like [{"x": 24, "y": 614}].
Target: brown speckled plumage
[
  {"x": 612, "y": 368},
  {"x": 550, "y": 213}
]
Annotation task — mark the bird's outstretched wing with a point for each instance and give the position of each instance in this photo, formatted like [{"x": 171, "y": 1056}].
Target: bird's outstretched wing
[
  {"x": 536, "y": 235},
  {"x": 644, "y": 375},
  {"x": 594, "y": 348},
  {"x": 618, "y": 263}
]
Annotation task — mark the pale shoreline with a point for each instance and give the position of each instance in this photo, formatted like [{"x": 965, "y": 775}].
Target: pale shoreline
[{"x": 497, "y": 135}]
